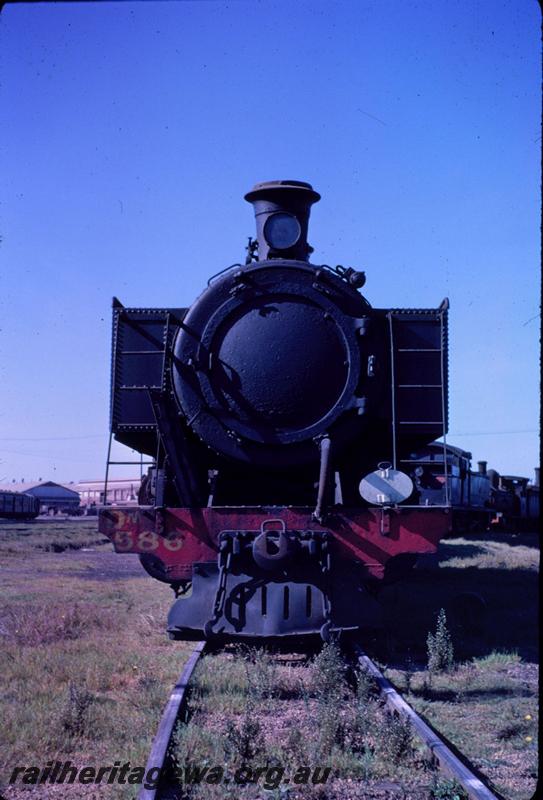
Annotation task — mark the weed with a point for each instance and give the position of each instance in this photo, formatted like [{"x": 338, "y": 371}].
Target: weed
[
  {"x": 261, "y": 673},
  {"x": 74, "y": 718},
  {"x": 328, "y": 671},
  {"x": 513, "y": 724},
  {"x": 424, "y": 761},
  {"x": 296, "y": 746},
  {"x": 395, "y": 738},
  {"x": 303, "y": 691},
  {"x": 363, "y": 725},
  {"x": 440, "y": 647},
  {"x": 365, "y": 712},
  {"x": 510, "y": 730},
  {"x": 328, "y": 682},
  {"x": 331, "y": 725},
  {"x": 447, "y": 789},
  {"x": 193, "y": 744},
  {"x": 366, "y": 765},
  {"x": 245, "y": 741},
  {"x": 409, "y": 674},
  {"x": 426, "y": 687},
  {"x": 365, "y": 686}
]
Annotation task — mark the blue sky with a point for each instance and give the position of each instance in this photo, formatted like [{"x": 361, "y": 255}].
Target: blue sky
[{"x": 131, "y": 131}]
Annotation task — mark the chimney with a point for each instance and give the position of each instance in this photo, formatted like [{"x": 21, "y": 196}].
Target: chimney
[
  {"x": 481, "y": 465},
  {"x": 282, "y": 216}
]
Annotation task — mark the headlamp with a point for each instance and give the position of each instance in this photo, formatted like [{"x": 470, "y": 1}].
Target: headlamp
[{"x": 282, "y": 230}]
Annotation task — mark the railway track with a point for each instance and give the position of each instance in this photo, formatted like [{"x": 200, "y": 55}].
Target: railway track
[
  {"x": 175, "y": 706},
  {"x": 448, "y": 761},
  {"x": 451, "y": 764}
]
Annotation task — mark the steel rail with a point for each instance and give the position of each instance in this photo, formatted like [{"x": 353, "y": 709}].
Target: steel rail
[
  {"x": 170, "y": 715},
  {"x": 448, "y": 761}
]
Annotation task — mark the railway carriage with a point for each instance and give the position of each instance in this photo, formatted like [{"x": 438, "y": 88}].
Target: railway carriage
[{"x": 18, "y": 505}]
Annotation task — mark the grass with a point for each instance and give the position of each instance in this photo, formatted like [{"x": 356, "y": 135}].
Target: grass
[
  {"x": 490, "y": 716},
  {"x": 488, "y": 589},
  {"x": 50, "y": 536},
  {"x": 487, "y": 704},
  {"x": 87, "y": 668},
  {"x": 501, "y": 551}
]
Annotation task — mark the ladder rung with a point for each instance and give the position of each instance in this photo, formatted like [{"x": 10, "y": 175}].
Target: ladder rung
[
  {"x": 418, "y": 350},
  {"x": 138, "y": 388},
  {"x": 421, "y": 422},
  {"x": 136, "y": 463},
  {"x": 421, "y": 461},
  {"x": 419, "y": 386}
]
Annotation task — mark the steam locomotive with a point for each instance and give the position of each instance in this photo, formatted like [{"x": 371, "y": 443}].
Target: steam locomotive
[
  {"x": 480, "y": 500},
  {"x": 277, "y": 412}
]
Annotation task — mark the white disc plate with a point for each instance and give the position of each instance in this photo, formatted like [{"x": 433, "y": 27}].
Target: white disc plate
[{"x": 385, "y": 487}]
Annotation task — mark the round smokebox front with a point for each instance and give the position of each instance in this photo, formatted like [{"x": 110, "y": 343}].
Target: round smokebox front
[{"x": 263, "y": 363}]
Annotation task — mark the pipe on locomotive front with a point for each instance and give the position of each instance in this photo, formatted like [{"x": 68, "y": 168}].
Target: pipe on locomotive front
[
  {"x": 282, "y": 216},
  {"x": 325, "y": 446}
]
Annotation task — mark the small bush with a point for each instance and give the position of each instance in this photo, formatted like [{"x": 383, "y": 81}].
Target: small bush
[
  {"x": 328, "y": 671},
  {"x": 332, "y": 725},
  {"x": 395, "y": 741},
  {"x": 448, "y": 789},
  {"x": 365, "y": 722},
  {"x": 297, "y": 746},
  {"x": 365, "y": 686},
  {"x": 328, "y": 683},
  {"x": 440, "y": 647}
]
